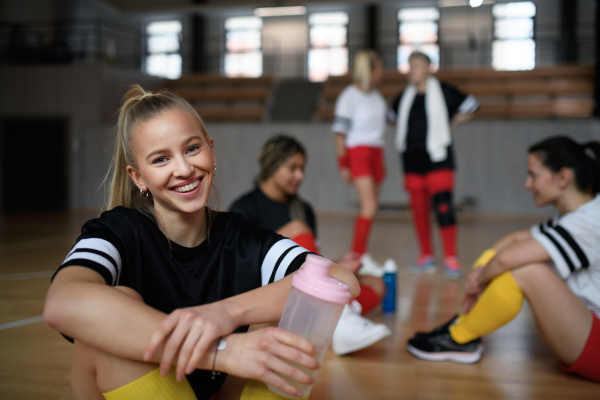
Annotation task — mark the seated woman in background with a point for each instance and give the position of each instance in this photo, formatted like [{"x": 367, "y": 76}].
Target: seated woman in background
[
  {"x": 555, "y": 265},
  {"x": 274, "y": 204},
  {"x": 149, "y": 282}
]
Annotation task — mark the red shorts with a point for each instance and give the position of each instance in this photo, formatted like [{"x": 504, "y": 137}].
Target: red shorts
[
  {"x": 365, "y": 160},
  {"x": 588, "y": 363},
  {"x": 441, "y": 180}
]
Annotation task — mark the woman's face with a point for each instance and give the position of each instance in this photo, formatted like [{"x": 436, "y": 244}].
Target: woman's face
[
  {"x": 377, "y": 74},
  {"x": 290, "y": 174},
  {"x": 419, "y": 70},
  {"x": 545, "y": 185},
  {"x": 175, "y": 162}
]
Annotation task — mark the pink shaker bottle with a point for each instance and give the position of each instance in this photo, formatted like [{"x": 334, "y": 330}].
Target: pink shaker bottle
[{"x": 313, "y": 309}]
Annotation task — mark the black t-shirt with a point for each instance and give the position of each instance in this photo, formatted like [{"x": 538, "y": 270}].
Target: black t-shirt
[
  {"x": 263, "y": 212},
  {"x": 127, "y": 248},
  {"x": 415, "y": 158}
]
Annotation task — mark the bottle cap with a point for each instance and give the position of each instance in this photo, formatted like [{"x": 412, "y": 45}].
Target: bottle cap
[
  {"x": 390, "y": 266},
  {"x": 314, "y": 280}
]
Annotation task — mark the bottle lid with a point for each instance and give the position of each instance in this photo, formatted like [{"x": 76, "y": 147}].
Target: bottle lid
[
  {"x": 314, "y": 280},
  {"x": 389, "y": 266}
]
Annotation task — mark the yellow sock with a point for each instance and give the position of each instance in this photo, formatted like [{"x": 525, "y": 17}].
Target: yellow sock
[
  {"x": 154, "y": 386},
  {"x": 484, "y": 258},
  {"x": 257, "y": 390},
  {"x": 499, "y": 303}
]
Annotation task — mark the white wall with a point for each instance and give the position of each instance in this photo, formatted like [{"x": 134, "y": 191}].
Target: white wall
[{"x": 491, "y": 158}]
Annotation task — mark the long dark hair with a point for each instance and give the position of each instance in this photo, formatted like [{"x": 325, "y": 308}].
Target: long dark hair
[
  {"x": 274, "y": 153},
  {"x": 583, "y": 159}
]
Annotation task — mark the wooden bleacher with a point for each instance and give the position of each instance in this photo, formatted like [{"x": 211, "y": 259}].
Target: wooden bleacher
[
  {"x": 217, "y": 98},
  {"x": 557, "y": 92}
]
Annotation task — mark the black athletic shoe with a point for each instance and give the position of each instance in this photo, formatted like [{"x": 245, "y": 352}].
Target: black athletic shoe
[
  {"x": 439, "y": 329},
  {"x": 439, "y": 346}
]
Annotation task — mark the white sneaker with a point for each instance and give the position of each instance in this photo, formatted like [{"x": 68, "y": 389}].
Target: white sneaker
[
  {"x": 370, "y": 266},
  {"x": 354, "y": 332}
]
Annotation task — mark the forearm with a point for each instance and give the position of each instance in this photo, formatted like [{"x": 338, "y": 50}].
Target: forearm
[
  {"x": 511, "y": 239},
  {"x": 515, "y": 255},
  {"x": 251, "y": 307},
  {"x": 106, "y": 318},
  {"x": 340, "y": 144}
]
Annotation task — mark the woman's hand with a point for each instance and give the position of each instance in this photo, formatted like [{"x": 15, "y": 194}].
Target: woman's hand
[
  {"x": 189, "y": 331},
  {"x": 346, "y": 176},
  {"x": 266, "y": 354},
  {"x": 472, "y": 289},
  {"x": 350, "y": 260}
]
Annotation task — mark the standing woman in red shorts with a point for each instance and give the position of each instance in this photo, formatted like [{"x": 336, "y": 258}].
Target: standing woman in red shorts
[
  {"x": 426, "y": 111},
  {"x": 359, "y": 124}
]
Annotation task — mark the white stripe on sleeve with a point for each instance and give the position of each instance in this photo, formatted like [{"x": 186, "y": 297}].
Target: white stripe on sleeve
[
  {"x": 285, "y": 263},
  {"x": 82, "y": 255},
  {"x": 272, "y": 256},
  {"x": 103, "y": 246},
  {"x": 469, "y": 105}
]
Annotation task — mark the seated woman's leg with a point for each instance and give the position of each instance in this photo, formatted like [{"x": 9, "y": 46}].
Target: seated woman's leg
[
  {"x": 563, "y": 320},
  {"x": 94, "y": 373}
]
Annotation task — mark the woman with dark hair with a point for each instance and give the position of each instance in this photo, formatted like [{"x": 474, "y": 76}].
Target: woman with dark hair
[
  {"x": 425, "y": 114},
  {"x": 555, "y": 265},
  {"x": 274, "y": 204}
]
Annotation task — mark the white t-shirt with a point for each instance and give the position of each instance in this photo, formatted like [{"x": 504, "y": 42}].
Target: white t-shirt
[
  {"x": 361, "y": 117},
  {"x": 572, "y": 240}
]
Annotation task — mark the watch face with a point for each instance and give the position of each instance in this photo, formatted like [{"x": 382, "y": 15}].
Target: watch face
[{"x": 222, "y": 345}]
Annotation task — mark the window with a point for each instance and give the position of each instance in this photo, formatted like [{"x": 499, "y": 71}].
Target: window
[
  {"x": 328, "y": 53},
  {"x": 243, "y": 55},
  {"x": 163, "y": 44},
  {"x": 418, "y": 30},
  {"x": 513, "y": 47}
]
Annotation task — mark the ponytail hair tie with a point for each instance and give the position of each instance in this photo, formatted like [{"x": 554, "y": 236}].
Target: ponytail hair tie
[{"x": 590, "y": 153}]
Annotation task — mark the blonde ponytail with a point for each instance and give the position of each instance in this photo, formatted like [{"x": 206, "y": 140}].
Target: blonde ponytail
[{"x": 365, "y": 62}]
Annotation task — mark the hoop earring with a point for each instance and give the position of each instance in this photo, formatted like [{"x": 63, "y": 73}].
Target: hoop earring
[
  {"x": 142, "y": 193},
  {"x": 215, "y": 171}
]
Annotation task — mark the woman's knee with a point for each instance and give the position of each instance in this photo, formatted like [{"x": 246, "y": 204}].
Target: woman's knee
[
  {"x": 294, "y": 228},
  {"x": 130, "y": 292},
  {"x": 531, "y": 275}
]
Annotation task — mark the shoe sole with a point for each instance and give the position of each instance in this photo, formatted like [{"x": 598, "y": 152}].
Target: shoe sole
[
  {"x": 462, "y": 358},
  {"x": 355, "y": 347},
  {"x": 453, "y": 276},
  {"x": 422, "y": 271}
]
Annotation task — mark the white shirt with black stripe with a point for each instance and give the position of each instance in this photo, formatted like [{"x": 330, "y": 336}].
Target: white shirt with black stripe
[
  {"x": 361, "y": 117},
  {"x": 127, "y": 248},
  {"x": 572, "y": 240}
]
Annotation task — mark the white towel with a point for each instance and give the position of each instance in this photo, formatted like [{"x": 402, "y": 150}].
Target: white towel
[{"x": 438, "y": 124}]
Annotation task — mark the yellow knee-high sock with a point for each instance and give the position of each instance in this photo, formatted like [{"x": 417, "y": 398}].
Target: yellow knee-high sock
[
  {"x": 257, "y": 390},
  {"x": 500, "y": 302}
]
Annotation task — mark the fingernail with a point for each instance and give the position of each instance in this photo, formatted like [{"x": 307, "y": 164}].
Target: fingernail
[
  {"x": 189, "y": 370},
  {"x": 163, "y": 372},
  {"x": 179, "y": 377},
  {"x": 299, "y": 393},
  {"x": 146, "y": 356}
]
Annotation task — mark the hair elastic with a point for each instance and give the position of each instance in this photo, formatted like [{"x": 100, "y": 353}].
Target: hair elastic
[{"x": 590, "y": 153}]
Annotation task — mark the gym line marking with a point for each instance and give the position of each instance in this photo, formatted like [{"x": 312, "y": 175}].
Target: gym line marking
[
  {"x": 36, "y": 243},
  {"x": 28, "y": 275},
  {"x": 21, "y": 322}
]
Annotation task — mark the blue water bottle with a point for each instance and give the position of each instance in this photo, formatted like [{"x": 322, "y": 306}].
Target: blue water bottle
[{"x": 390, "y": 270}]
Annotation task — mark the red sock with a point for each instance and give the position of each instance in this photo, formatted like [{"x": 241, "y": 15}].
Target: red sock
[
  {"x": 367, "y": 299},
  {"x": 448, "y": 234},
  {"x": 419, "y": 205},
  {"x": 308, "y": 241},
  {"x": 362, "y": 228}
]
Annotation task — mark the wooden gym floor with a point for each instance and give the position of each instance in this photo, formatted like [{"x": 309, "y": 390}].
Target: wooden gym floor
[{"x": 34, "y": 360}]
